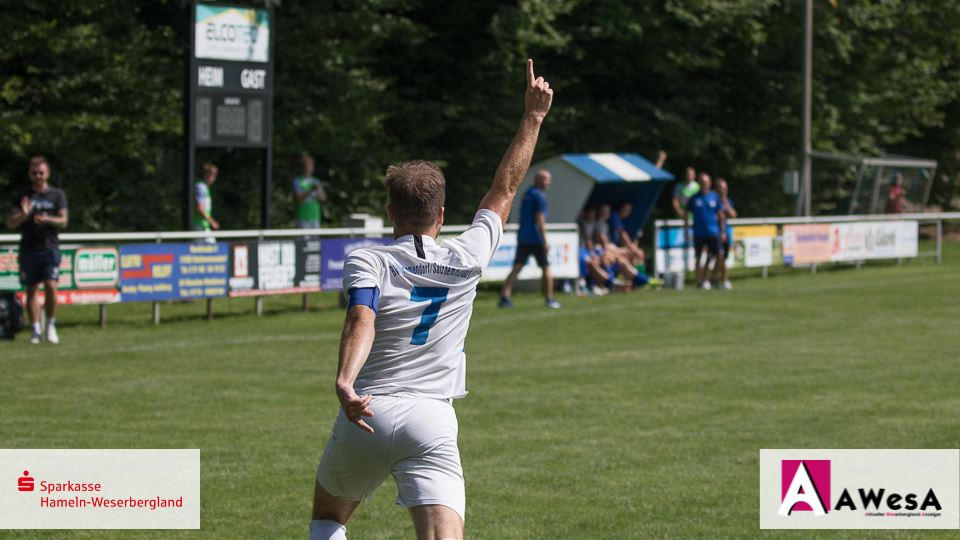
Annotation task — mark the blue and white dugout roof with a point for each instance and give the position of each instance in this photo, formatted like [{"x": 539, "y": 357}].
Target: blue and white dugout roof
[{"x": 610, "y": 167}]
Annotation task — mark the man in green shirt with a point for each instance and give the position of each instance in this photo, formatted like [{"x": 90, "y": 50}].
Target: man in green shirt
[
  {"x": 203, "y": 212},
  {"x": 309, "y": 194}
]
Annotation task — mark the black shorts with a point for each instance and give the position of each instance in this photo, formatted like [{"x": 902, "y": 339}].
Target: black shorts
[
  {"x": 712, "y": 243},
  {"x": 524, "y": 251},
  {"x": 39, "y": 266}
]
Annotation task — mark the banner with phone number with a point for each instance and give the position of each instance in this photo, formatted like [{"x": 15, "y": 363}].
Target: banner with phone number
[{"x": 88, "y": 275}]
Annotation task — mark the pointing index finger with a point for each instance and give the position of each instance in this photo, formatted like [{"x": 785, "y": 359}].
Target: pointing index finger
[{"x": 530, "y": 77}]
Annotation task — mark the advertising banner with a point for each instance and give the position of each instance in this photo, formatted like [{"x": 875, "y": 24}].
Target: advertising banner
[
  {"x": 806, "y": 244},
  {"x": 88, "y": 275},
  {"x": 755, "y": 246},
  {"x": 9, "y": 269},
  {"x": 563, "y": 258},
  {"x": 151, "y": 272},
  {"x": 260, "y": 268},
  {"x": 859, "y": 489},
  {"x": 99, "y": 489},
  {"x": 335, "y": 251},
  {"x": 232, "y": 33},
  {"x": 873, "y": 240},
  {"x": 811, "y": 244},
  {"x": 673, "y": 246}
]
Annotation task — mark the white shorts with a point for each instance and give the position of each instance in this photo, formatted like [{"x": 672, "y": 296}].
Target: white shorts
[{"x": 415, "y": 439}]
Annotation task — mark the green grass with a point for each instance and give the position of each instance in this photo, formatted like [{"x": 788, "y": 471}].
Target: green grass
[{"x": 630, "y": 416}]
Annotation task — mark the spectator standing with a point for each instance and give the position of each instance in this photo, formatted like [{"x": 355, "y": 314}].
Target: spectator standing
[
  {"x": 39, "y": 212},
  {"x": 203, "y": 212},
  {"x": 309, "y": 194},
  {"x": 729, "y": 212},
  {"x": 532, "y": 240},
  {"x": 683, "y": 191},
  {"x": 895, "y": 195},
  {"x": 708, "y": 228},
  {"x": 681, "y": 195}
]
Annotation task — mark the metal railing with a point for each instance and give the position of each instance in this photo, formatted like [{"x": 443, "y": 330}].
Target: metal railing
[
  {"x": 69, "y": 240},
  {"x": 935, "y": 218},
  {"x": 342, "y": 232}
]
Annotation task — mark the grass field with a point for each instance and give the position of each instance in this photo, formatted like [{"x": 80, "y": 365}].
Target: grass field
[{"x": 631, "y": 416}]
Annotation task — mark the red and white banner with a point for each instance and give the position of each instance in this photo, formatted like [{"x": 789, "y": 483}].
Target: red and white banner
[{"x": 99, "y": 489}]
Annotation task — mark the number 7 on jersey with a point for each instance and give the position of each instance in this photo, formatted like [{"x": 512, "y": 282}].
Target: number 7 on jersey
[{"x": 436, "y": 296}]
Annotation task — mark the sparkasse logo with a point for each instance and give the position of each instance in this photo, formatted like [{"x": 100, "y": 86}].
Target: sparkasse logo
[{"x": 25, "y": 482}]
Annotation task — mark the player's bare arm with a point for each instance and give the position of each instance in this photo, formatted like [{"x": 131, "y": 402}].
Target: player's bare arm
[
  {"x": 678, "y": 208},
  {"x": 214, "y": 224},
  {"x": 722, "y": 221},
  {"x": 729, "y": 210},
  {"x": 59, "y": 221},
  {"x": 355, "y": 343},
  {"x": 542, "y": 225},
  {"x": 18, "y": 215},
  {"x": 538, "y": 98},
  {"x": 661, "y": 158}
]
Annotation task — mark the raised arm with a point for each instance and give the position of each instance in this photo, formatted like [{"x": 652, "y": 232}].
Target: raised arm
[
  {"x": 355, "y": 344},
  {"x": 516, "y": 160},
  {"x": 19, "y": 214}
]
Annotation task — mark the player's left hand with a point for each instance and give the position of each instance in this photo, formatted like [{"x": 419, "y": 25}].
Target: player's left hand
[{"x": 355, "y": 407}]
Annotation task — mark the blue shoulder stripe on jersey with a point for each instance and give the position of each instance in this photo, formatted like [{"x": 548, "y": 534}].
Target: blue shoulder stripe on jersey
[{"x": 364, "y": 296}]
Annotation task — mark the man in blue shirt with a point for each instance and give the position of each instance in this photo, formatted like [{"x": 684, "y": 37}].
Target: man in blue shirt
[
  {"x": 708, "y": 228},
  {"x": 532, "y": 239},
  {"x": 729, "y": 212},
  {"x": 622, "y": 238}
]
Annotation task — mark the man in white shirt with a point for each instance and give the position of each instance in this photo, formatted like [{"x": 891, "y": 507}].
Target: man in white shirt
[{"x": 402, "y": 358}]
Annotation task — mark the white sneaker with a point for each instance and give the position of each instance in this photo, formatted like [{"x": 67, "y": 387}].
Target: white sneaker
[
  {"x": 705, "y": 286},
  {"x": 35, "y": 338},
  {"x": 52, "y": 336},
  {"x": 727, "y": 285},
  {"x": 599, "y": 291}
]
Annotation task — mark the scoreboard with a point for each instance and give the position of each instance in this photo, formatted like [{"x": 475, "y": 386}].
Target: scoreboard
[
  {"x": 231, "y": 77},
  {"x": 229, "y": 90}
]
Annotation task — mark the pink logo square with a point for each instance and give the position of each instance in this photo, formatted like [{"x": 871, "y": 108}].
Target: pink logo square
[{"x": 816, "y": 470}]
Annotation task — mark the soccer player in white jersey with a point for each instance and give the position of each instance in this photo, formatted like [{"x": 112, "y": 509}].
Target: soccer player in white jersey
[{"x": 402, "y": 358}]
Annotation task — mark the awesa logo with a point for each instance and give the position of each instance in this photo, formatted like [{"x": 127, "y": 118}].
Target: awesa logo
[{"x": 805, "y": 487}]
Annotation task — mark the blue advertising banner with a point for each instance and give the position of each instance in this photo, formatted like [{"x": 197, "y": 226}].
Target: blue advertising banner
[
  {"x": 335, "y": 252},
  {"x": 173, "y": 271}
]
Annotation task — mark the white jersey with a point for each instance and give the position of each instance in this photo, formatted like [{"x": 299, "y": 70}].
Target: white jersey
[{"x": 426, "y": 300}]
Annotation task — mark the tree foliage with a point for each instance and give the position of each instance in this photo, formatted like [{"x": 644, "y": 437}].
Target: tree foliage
[{"x": 97, "y": 86}]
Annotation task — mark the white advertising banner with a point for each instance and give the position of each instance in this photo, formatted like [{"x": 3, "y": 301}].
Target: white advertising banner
[
  {"x": 232, "y": 33},
  {"x": 859, "y": 489},
  {"x": 758, "y": 251},
  {"x": 276, "y": 265},
  {"x": 873, "y": 240},
  {"x": 564, "y": 247},
  {"x": 99, "y": 489}
]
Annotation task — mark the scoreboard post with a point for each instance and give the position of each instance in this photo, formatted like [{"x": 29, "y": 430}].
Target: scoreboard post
[{"x": 229, "y": 90}]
